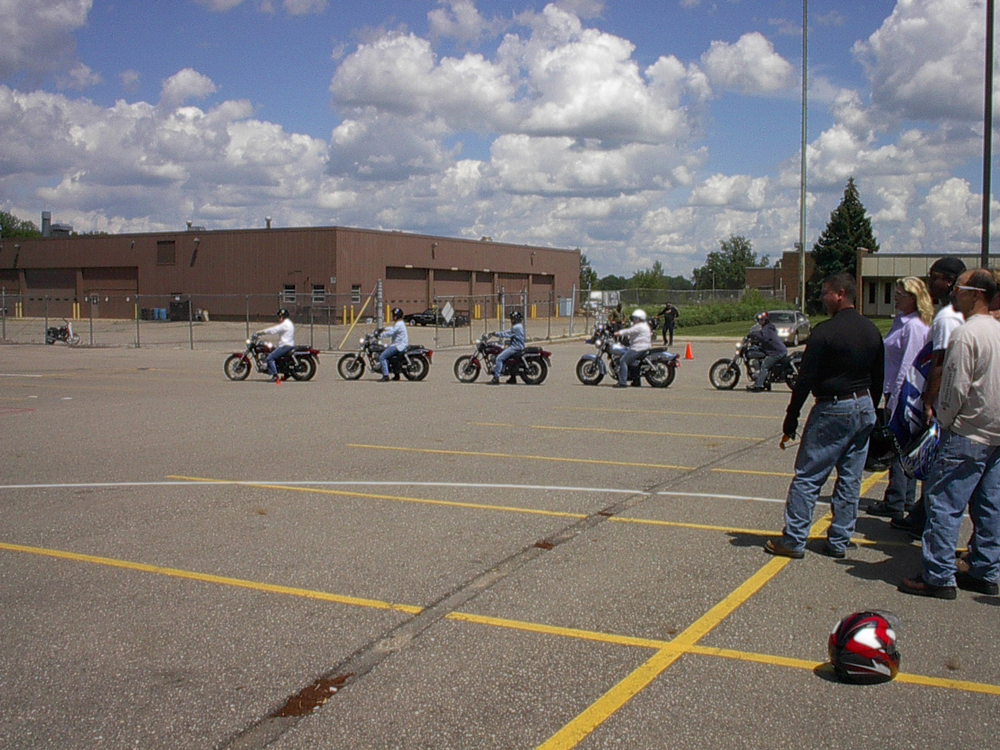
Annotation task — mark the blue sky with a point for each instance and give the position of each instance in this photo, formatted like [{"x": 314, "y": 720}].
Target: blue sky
[{"x": 637, "y": 131}]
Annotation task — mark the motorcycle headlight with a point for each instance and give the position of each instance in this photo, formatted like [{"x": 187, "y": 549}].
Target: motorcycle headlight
[
  {"x": 361, "y": 341},
  {"x": 248, "y": 342},
  {"x": 738, "y": 347},
  {"x": 598, "y": 342}
]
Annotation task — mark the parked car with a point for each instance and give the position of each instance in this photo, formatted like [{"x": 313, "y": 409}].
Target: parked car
[
  {"x": 432, "y": 316},
  {"x": 793, "y": 326}
]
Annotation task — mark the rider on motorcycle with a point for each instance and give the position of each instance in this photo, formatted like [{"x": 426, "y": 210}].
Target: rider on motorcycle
[
  {"x": 400, "y": 340},
  {"x": 285, "y": 330},
  {"x": 640, "y": 338},
  {"x": 516, "y": 336},
  {"x": 765, "y": 336}
]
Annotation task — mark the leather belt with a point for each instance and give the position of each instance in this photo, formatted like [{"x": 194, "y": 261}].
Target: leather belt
[{"x": 856, "y": 394}]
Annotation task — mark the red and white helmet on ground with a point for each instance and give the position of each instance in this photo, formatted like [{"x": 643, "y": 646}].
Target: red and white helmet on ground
[{"x": 863, "y": 648}]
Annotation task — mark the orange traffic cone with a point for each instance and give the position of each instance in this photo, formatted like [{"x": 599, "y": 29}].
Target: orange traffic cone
[
  {"x": 688, "y": 354},
  {"x": 278, "y": 381}
]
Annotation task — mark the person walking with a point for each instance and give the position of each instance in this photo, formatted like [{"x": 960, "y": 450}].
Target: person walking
[
  {"x": 907, "y": 336},
  {"x": 843, "y": 366},
  {"x": 966, "y": 468},
  {"x": 669, "y": 315}
]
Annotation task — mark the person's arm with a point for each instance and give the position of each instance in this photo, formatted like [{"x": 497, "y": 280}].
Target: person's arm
[
  {"x": 933, "y": 385},
  {"x": 955, "y": 382}
]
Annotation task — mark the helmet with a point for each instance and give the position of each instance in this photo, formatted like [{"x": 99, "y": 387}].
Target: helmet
[
  {"x": 762, "y": 318},
  {"x": 882, "y": 448},
  {"x": 638, "y": 314},
  {"x": 862, "y": 648},
  {"x": 397, "y": 313},
  {"x": 516, "y": 316},
  {"x": 282, "y": 313},
  {"x": 917, "y": 456}
]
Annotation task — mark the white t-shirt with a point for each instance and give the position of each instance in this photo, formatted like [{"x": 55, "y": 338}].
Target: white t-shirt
[
  {"x": 285, "y": 329},
  {"x": 944, "y": 323},
  {"x": 640, "y": 336}
]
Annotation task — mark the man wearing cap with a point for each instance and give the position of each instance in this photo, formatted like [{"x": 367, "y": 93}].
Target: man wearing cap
[
  {"x": 966, "y": 468},
  {"x": 843, "y": 367}
]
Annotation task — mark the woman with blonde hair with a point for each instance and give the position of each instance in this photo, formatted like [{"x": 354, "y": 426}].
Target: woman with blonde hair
[{"x": 906, "y": 337}]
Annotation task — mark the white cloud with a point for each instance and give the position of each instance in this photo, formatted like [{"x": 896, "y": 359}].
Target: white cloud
[
  {"x": 305, "y": 7},
  {"x": 458, "y": 19},
  {"x": 184, "y": 85},
  {"x": 751, "y": 66},
  {"x": 79, "y": 78},
  {"x": 130, "y": 80},
  {"x": 36, "y": 36}
]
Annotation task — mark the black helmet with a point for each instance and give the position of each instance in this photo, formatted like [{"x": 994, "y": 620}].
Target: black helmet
[
  {"x": 516, "y": 316},
  {"x": 882, "y": 448},
  {"x": 397, "y": 313},
  {"x": 282, "y": 313},
  {"x": 762, "y": 318}
]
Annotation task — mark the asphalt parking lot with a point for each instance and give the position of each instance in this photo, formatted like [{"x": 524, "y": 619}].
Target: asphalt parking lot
[{"x": 189, "y": 562}]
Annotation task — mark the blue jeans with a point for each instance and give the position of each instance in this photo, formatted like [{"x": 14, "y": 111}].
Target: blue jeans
[
  {"x": 963, "y": 474},
  {"x": 624, "y": 364},
  {"x": 278, "y": 353},
  {"x": 835, "y": 435},
  {"x": 383, "y": 358},
  {"x": 502, "y": 357},
  {"x": 902, "y": 490},
  {"x": 765, "y": 365}
]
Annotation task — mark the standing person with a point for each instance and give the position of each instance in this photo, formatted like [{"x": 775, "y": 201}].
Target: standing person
[
  {"x": 400, "y": 340},
  {"x": 941, "y": 279},
  {"x": 516, "y": 337},
  {"x": 285, "y": 331},
  {"x": 640, "y": 339},
  {"x": 843, "y": 366},
  {"x": 966, "y": 468},
  {"x": 906, "y": 337},
  {"x": 616, "y": 318},
  {"x": 669, "y": 314},
  {"x": 765, "y": 335}
]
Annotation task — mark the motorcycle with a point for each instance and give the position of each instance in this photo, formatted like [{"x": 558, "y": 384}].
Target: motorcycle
[
  {"x": 299, "y": 364},
  {"x": 657, "y": 366},
  {"x": 413, "y": 364},
  {"x": 62, "y": 333},
  {"x": 725, "y": 373},
  {"x": 530, "y": 364}
]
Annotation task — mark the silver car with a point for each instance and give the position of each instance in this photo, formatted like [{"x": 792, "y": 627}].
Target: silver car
[{"x": 793, "y": 327}]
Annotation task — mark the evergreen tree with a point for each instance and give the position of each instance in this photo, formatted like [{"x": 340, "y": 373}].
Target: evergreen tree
[{"x": 837, "y": 248}]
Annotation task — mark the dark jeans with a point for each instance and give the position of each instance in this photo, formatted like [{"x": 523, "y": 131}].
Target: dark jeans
[
  {"x": 668, "y": 329},
  {"x": 278, "y": 353}
]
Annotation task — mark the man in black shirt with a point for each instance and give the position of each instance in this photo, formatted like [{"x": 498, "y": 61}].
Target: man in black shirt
[{"x": 843, "y": 368}]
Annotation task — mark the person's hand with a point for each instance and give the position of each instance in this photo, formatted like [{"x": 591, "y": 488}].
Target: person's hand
[
  {"x": 785, "y": 439},
  {"x": 790, "y": 427},
  {"x": 928, "y": 414}
]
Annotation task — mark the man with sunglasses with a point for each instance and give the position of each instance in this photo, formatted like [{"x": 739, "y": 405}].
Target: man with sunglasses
[{"x": 966, "y": 469}]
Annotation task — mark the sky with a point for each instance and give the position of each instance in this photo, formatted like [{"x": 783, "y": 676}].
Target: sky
[{"x": 635, "y": 130}]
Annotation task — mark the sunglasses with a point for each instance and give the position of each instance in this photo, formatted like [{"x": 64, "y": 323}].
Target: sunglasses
[{"x": 970, "y": 288}]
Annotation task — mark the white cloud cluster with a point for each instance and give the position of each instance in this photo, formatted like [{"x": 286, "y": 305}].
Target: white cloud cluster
[
  {"x": 751, "y": 66},
  {"x": 36, "y": 36}
]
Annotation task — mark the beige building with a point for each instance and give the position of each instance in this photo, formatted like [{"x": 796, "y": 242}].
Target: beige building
[{"x": 877, "y": 274}]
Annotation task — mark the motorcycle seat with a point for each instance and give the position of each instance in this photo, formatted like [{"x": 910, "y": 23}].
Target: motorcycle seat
[{"x": 531, "y": 350}]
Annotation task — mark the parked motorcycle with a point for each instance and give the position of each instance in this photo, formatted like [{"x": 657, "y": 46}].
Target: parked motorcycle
[
  {"x": 299, "y": 364},
  {"x": 413, "y": 364},
  {"x": 725, "y": 373},
  {"x": 531, "y": 364},
  {"x": 657, "y": 366},
  {"x": 62, "y": 333}
]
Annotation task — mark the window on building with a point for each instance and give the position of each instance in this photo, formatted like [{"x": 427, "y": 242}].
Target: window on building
[
  {"x": 888, "y": 292},
  {"x": 288, "y": 297},
  {"x": 166, "y": 253},
  {"x": 355, "y": 294},
  {"x": 319, "y": 294},
  {"x": 872, "y": 292}
]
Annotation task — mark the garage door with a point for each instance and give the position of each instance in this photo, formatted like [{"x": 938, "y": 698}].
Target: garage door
[{"x": 50, "y": 289}]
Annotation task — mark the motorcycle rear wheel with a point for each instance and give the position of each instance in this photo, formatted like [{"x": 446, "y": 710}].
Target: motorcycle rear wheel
[
  {"x": 236, "y": 367},
  {"x": 467, "y": 369},
  {"x": 418, "y": 369},
  {"x": 305, "y": 369},
  {"x": 724, "y": 374},
  {"x": 661, "y": 375},
  {"x": 588, "y": 372},
  {"x": 535, "y": 371},
  {"x": 351, "y": 367}
]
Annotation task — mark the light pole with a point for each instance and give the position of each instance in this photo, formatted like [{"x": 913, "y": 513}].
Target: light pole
[
  {"x": 987, "y": 138},
  {"x": 802, "y": 169}
]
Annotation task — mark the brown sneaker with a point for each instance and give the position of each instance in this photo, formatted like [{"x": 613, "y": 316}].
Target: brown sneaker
[
  {"x": 918, "y": 587},
  {"x": 772, "y": 547}
]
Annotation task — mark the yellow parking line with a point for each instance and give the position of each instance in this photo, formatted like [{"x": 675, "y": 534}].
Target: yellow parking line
[
  {"x": 482, "y": 454},
  {"x": 614, "y": 431},
  {"x": 672, "y": 413}
]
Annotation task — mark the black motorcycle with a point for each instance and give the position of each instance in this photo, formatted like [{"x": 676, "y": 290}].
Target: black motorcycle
[
  {"x": 413, "y": 364},
  {"x": 62, "y": 333},
  {"x": 530, "y": 364},
  {"x": 725, "y": 373},
  {"x": 298, "y": 364},
  {"x": 657, "y": 366}
]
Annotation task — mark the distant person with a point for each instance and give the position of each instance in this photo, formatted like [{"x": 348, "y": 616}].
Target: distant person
[
  {"x": 400, "y": 340},
  {"x": 669, "y": 315},
  {"x": 640, "y": 340},
  {"x": 616, "y": 318},
  {"x": 765, "y": 335},
  {"x": 515, "y": 335},
  {"x": 843, "y": 366},
  {"x": 285, "y": 331}
]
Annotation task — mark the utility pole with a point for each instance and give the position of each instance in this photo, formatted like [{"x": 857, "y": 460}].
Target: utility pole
[
  {"x": 802, "y": 172},
  {"x": 988, "y": 139}
]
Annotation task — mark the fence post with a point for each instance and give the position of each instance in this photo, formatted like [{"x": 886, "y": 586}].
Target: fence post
[
  {"x": 90, "y": 307},
  {"x": 191, "y": 321},
  {"x": 138, "y": 315},
  {"x": 248, "y": 317},
  {"x": 548, "y": 335},
  {"x": 45, "y": 305},
  {"x": 3, "y": 312},
  {"x": 311, "y": 322}
]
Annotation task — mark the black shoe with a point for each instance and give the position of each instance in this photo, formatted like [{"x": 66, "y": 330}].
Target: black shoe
[
  {"x": 968, "y": 582},
  {"x": 511, "y": 380},
  {"x": 918, "y": 587},
  {"x": 396, "y": 376},
  {"x": 902, "y": 524},
  {"x": 637, "y": 384},
  {"x": 882, "y": 508},
  {"x": 384, "y": 379},
  {"x": 780, "y": 550},
  {"x": 754, "y": 389},
  {"x": 620, "y": 385},
  {"x": 494, "y": 381},
  {"x": 837, "y": 554}
]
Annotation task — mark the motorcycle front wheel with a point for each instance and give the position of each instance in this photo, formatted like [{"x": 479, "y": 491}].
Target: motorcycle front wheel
[
  {"x": 351, "y": 367},
  {"x": 236, "y": 367},
  {"x": 305, "y": 369},
  {"x": 661, "y": 375},
  {"x": 791, "y": 379},
  {"x": 588, "y": 372},
  {"x": 724, "y": 374},
  {"x": 535, "y": 371},
  {"x": 467, "y": 369},
  {"x": 418, "y": 369},
  {"x": 73, "y": 340}
]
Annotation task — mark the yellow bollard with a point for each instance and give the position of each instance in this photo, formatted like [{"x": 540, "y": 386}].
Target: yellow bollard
[
  {"x": 76, "y": 311},
  {"x": 534, "y": 311}
]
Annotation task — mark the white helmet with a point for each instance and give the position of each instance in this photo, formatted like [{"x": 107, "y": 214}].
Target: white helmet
[{"x": 638, "y": 314}]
